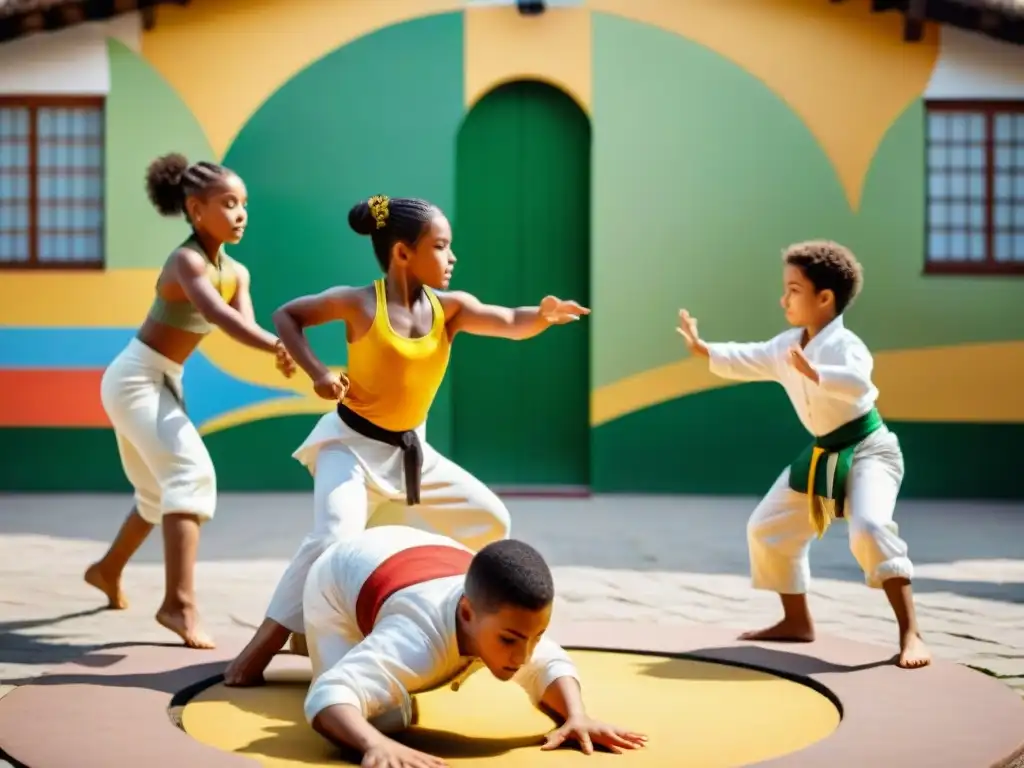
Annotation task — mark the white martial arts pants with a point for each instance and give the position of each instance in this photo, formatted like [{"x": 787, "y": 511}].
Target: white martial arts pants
[
  {"x": 779, "y": 532},
  {"x": 163, "y": 456},
  {"x": 331, "y": 634},
  {"x": 359, "y": 482}
]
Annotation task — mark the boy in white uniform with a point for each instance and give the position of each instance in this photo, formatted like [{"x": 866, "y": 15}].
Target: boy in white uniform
[
  {"x": 855, "y": 462},
  {"x": 397, "y": 610}
]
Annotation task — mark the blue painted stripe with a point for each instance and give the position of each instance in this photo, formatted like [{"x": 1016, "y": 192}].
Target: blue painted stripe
[
  {"x": 61, "y": 348},
  {"x": 209, "y": 391}
]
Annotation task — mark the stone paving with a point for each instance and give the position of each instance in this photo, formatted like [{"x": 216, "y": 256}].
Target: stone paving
[{"x": 626, "y": 558}]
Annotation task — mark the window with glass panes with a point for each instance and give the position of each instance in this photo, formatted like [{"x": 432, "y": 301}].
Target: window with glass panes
[
  {"x": 51, "y": 182},
  {"x": 975, "y": 187}
]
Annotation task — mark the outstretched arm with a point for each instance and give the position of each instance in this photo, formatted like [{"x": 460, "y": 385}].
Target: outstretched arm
[
  {"x": 466, "y": 313},
  {"x": 367, "y": 691},
  {"x": 551, "y": 681},
  {"x": 848, "y": 381},
  {"x": 753, "y": 361},
  {"x": 291, "y": 319},
  {"x": 744, "y": 361},
  {"x": 242, "y": 303},
  {"x": 190, "y": 271}
]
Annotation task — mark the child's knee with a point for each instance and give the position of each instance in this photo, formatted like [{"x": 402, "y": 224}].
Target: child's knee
[
  {"x": 757, "y": 525},
  {"x": 875, "y": 544},
  {"x": 502, "y": 519},
  {"x": 148, "y": 506},
  {"x": 314, "y": 545},
  {"x": 193, "y": 491},
  {"x": 492, "y": 509}
]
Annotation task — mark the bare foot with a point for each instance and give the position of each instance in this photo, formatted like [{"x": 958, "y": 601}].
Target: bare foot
[
  {"x": 184, "y": 622},
  {"x": 244, "y": 672},
  {"x": 109, "y": 586},
  {"x": 913, "y": 652},
  {"x": 786, "y": 631},
  {"x": 247, "y": 667}
]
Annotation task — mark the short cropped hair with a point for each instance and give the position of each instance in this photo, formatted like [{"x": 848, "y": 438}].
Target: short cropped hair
[
  {"x": 828, "y": 266},
  {"x": 509, "y": 573}
]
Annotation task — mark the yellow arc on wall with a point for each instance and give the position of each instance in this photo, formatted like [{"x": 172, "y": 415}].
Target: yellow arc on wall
[
  {"x": 962, "y": 383},
  {"x": 295, "y": 33},
  {"x": 834, "y": 91},
  {"x": 848, "y": 89},
  {"x": 503, "y": 46}
]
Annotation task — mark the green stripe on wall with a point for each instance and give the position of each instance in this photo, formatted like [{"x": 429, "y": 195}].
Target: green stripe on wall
[
  {"x": 689, "y": 445},
  {"x": 250, "y": 457},
  {"x": 735, "y": 441}
]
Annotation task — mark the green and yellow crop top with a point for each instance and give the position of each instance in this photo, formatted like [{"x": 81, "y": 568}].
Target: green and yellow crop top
[{"x": 183, "y": 314}]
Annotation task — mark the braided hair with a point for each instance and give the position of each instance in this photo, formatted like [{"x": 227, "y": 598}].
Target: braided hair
[
  {"x": 171, "y": 179},
  {"x": 387, "y": 221}
]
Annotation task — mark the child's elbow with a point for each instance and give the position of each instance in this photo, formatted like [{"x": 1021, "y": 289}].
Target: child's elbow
[{"x": 281, "y": 316}]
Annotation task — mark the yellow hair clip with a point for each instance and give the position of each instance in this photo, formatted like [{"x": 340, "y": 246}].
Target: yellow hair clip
[{"x": 379, "y": 209}]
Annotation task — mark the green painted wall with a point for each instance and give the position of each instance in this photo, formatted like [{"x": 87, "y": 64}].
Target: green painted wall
[
  {"x": 145, "y": 119},
  {"x": 251, "y": 457},
  {"x": 710, "y": 207},
  {"x": 693, "y": 444},
  {"x": 698, "y": 179},
  {"x": 713, "y": 193},
  {"x": 521, "y": 409},
  {"x": 353, "y": 124}
]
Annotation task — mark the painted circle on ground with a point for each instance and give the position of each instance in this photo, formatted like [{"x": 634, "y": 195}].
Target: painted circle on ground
[{"x": 706, "y": 714}]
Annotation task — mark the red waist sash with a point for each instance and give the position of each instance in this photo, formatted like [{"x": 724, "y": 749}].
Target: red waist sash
[{"x": 407, "y": 568}]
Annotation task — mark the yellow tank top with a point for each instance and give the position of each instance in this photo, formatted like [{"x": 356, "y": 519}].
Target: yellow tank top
[{"x": 393, "y": 380}]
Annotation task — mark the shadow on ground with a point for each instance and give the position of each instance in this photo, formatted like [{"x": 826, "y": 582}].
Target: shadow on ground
[{"x": 691, "y": 534}]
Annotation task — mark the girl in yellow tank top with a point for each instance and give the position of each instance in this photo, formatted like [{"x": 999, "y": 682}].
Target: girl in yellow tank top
[
  {"x": 399, "y": 328},
  {"x": 371, "y": 450}
]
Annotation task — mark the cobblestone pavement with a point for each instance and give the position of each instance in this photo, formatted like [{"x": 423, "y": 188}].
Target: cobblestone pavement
[{"x": 626, "y": 558}]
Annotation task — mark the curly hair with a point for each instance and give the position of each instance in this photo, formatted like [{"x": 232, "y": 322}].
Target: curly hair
[
  {"x": 828, "y": 266},
  {"x": 171, "y": 178},
  {"x": 509, "y": 573}
]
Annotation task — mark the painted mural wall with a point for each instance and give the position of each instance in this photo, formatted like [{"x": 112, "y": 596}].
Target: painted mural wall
[{"x": 715, "y": 144}]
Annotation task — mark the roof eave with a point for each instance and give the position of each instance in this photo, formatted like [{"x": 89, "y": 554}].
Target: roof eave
[{"x": 61, "y": 15}]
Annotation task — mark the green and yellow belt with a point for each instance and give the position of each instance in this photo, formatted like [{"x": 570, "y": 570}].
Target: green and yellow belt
[{"x": 805, "y": 475}]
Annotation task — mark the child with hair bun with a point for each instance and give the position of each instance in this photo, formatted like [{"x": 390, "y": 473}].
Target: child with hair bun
[{"x": 372, "y": 449}]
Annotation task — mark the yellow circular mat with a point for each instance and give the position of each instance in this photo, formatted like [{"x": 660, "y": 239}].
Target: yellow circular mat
[{"x": 695, "y": 713}]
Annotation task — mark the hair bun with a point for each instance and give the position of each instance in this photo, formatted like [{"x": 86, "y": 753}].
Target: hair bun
[
  {"x": 164, "y": 183},
  {"x": 361, "y": 220}
]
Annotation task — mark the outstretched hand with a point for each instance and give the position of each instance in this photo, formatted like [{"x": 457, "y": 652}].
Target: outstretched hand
[
  {"x": 587, "y": 732},
  {"x": 687, "y": 328},
  {"x": 557, "y": 312},
  {"x": 799, "y": 361},
  {"x": 391, "y": 754}
]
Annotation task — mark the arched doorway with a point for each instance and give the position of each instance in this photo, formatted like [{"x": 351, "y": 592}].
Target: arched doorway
[{"x": 522, "y": 231}]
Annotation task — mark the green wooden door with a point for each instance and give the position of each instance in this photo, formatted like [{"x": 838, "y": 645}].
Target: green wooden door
[{"x": 522, "y": 231}]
